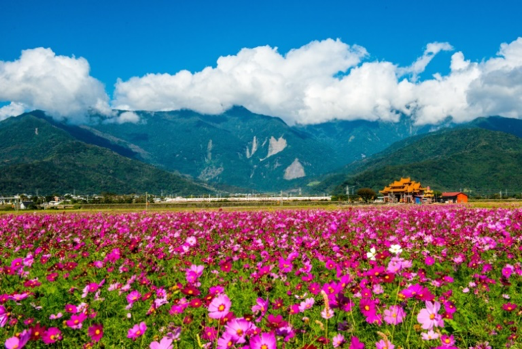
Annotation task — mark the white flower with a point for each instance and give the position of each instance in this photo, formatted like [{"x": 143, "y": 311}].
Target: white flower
[
  {"x": 371, "y": 255},
  {"x": 395, "y": 249}
]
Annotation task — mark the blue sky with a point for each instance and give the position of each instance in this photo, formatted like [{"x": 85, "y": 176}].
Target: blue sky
[{"x": 125, "y": 39}]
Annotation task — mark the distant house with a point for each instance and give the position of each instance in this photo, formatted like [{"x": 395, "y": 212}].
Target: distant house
[
  {"x": 405, "y": 190},
  {"x": 455, "y": 197},
  {"x": 25, "y": 205}
]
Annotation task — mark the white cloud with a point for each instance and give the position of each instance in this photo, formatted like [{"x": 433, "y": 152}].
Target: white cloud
[
  {"x": 12, "y": 109},
  {"x": 326, "y": 80},
  {"x": 422, "y": 62},
  {"x": 318, "y": 82},
  {"x": 60, "y": 85},
  {"x": 127, "y": 116}
]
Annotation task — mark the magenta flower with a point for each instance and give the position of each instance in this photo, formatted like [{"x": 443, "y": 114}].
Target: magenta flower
[
  {"x": 166, "y": 343},
  {"x": 137, "y": 331},
  {"x": 429, "y": 316},
  {"x": 263, "y": 341},
  {"x": 209, "y": 333},
  {"x": 285, "y": 265},
  {"x": 133, "y": 297},
  {"x": 394, "y": 315},
  {"x": 3, "y": 316},
  {"x": 509, "y": 306},
  {"x": 76, "y": 321},
  {"x": 447, "y": 341},
  {"x": 52, "y": 335},
  {"x": 219, "y": 307},
  {"x": 96, "y": 332},
  {"x": 71, "y": 308},
  {"x": 356, "y": 343},
  {"x": 18, "y": 342}
]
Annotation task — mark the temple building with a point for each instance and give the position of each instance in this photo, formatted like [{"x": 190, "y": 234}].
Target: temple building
[{"x": 405, "y": 190}]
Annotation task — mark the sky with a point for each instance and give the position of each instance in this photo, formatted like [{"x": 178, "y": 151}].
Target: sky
[{"x": 304, "y": 61}]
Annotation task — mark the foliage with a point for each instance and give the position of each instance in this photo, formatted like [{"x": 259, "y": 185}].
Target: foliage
[
  {"x": 52, "y": 161},
  {"x": 366, "y": 194},
  {"x": 475, "y": 159}
]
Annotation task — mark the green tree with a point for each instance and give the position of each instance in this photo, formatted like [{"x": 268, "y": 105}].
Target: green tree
[{"x": 366, "y": 194}]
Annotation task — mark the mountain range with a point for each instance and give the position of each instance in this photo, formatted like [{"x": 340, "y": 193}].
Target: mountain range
[{"x": 187, "y": 153}]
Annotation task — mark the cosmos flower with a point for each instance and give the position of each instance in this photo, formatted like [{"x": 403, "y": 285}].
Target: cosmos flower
[
  {"x": 51, "y": 335},
  {"x": 165, "y": 343},
  {"x": 429, "y": 316},
  {"x": 238, "y": 328},
  {"x": 96, "y": 332},
  {"x": 137, "y": 331},
  {"x": 394, "y": 315},
  {"x": 263, "y": 341},
  {"x": 338, "y": 340},
  {"x": 18, "y": 342},
  {"x": 430, "y": 335},
  {"x": 219, "y": 307},
  {"x": 371, "y": 255},
  {"x": 395, "y": 249}
]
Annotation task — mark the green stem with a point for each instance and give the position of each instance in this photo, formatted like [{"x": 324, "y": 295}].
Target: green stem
[{"x": 411, "y": 325}]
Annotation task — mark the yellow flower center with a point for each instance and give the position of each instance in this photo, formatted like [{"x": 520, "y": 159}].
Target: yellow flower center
[
  {"x": 221, "y": 307},
  {"x": 138, "y": 333},
  {"x": 432, "y": 316},
  {"x": 97, "y": 332},
  {"x": 366, "y": 308}
]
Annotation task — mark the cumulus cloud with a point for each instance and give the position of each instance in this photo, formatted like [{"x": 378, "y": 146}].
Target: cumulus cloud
[
  {"x": 318, "y": 82},
  {"x": 12, "y": 109},
  {"x": 329, "y": 79},
  {"x": 60, "y": 85}
]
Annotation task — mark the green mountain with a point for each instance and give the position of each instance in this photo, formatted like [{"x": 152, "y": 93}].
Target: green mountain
[
  {"x": 37, "y": 153},
  {"x": 236, "y": 148},
  {"x": 475, "y": 159},
  {"x": 249, "y": 150}
]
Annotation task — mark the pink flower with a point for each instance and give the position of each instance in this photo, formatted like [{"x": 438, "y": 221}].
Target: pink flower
[
  {"x": 338, "y": 340},
  {"x": 238, "y": 328},
  {"x": 52, "y": 335},
  {"x": 166, "y": 343},
  {"x": 263, "y": 341},
  {"x": 96, "y": 332},
  {"x": 137, "y": 331},
  {"x": 382, "y": 344},
  {"x": 225, "y": 341},
  {"x": 394, "y": 315},
  {"x": 430, "y": 335},
  {"x": 18, "y": 342},
  {"x": 428, "y": 317},
  {"x": 219, "y": 307},
  {"x": 306, "y": 304}
]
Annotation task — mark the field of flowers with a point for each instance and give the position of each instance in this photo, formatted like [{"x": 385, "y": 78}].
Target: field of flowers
[{"x": 412, "y": 277}]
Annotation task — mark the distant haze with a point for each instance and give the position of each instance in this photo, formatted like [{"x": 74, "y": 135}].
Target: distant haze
[{"x": 315, "y": 83}]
